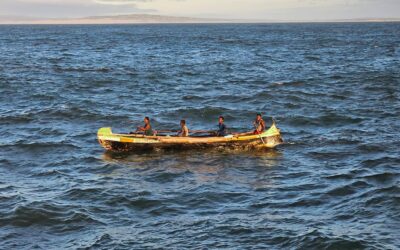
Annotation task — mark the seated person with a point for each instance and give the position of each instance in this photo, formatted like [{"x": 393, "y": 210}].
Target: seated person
[
  {"x": 259, "y": 125},
  {"x": 146, "y": 129},
  {"x": 221, "y": 127},
  {"x": 184, "y": 132}
]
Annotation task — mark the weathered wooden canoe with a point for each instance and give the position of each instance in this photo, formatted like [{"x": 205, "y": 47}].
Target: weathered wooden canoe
[{"x": 127, "y": 142}]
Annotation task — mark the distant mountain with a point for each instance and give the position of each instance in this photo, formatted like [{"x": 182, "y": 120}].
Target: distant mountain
[
  {"x": 371, "y": 19},
  {"x": 146, "y": 18},
  {"x": 120, "y": 19}
]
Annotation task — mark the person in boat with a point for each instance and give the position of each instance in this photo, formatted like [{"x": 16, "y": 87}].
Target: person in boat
[
  {"x": 221, "y": 126},
  {"x": 146, "y": 129},
  {"x": 184, "y": 132},
  {"x": 259, "y": 125}
]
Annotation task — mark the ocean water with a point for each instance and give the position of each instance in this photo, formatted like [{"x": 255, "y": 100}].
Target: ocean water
[{"x": 332, "y": 88}]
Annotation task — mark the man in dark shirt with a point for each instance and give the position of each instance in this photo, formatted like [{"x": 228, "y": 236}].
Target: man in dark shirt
[{"x": 221, "y": 127}]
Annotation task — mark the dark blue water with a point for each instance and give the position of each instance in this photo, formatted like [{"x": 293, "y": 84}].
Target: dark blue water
[{"x": 333, "y": 89}]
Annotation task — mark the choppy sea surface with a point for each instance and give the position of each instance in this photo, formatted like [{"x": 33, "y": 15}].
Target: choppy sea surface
[{"x": 333, "y": 89}]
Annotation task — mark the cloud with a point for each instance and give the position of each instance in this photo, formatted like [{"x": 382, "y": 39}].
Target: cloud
[
  {"x": 125, "y": 2},
  {"x": 118, "y": 2},
  {"x": 70, "y": 8}
]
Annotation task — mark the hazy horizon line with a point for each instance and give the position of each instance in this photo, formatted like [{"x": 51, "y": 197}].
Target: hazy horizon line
[{"x": 136, "y": 18}]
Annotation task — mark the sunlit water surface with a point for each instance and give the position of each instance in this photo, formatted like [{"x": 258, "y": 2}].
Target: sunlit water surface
[{"x": 333, "y": 89}]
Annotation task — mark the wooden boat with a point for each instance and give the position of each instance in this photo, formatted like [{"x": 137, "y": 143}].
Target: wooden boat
[{"x": 138, "y": 142}]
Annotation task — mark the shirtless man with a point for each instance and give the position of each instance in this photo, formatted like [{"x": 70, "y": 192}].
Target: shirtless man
[
  {"x": 259, "y": 125},
  {"x": 184, "y": 132}
]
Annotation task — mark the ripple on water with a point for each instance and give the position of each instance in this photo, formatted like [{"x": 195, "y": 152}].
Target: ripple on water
[
  {"x": 59, "y": 217},
  {"x": 37, "y": 147},
  {"x": 334, "y": 185},
  {"x": 316, "y": 239},
  {"x": 381, "y": 161},
  {"x": 347, "y": 190}
]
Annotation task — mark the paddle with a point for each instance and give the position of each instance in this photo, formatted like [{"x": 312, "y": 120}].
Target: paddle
[
  {"x": 167, "y": 132},
  {"x": 176, "y": 131},
  {"x": 259, "y": 135},
  {"x": 202, "y": 131},
  {"x": 191, "y": 131}
]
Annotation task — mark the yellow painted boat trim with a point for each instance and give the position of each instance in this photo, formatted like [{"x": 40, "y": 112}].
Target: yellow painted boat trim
[{"x": 106, "y": 134}]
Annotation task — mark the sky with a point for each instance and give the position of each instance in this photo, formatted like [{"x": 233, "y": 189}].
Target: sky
[{"x": 228, "y": 9}]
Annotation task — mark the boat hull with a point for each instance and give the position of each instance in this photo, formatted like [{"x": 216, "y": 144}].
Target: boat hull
[{"x": 131, "y": 143}]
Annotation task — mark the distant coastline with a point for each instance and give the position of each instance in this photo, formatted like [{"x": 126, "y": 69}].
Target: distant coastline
[
  {"x": 120, "y": 19},
  {"x": 160, "y": 19}
]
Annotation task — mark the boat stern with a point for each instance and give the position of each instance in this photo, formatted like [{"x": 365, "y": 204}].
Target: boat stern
[
  {"x": 272, "y": 137},
  {"x": 104, "y": 136}
]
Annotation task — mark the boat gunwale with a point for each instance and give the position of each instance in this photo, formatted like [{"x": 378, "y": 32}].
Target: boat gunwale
[{"x": 247, "y": 136}]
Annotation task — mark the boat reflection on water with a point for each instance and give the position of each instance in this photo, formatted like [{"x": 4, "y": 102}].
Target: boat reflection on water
[
  {"x": 268, "y": 156},
  {"x": 204, "y": 166}
]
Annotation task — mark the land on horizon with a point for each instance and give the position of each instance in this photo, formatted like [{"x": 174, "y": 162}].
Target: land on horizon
[{"x": 159, "y": 19}]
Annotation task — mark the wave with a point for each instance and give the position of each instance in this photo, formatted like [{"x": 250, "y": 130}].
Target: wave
[
  {"x": 324, "y": 120},
  {"x": 15, "y": 119},
  {"x": 385, "y": 177},
  {"x": 45, "y": 97},
  {"x": 34, "y": 146},
  {"x": 199, "y": 114},
  {"x": 338, "y": 120},
  {"x": 140, "y": 202},
  {"x": 372, "y": 147},
  {"x": 193, "y": 98},
  {"x": 84, "y": 193},
  {"x": 165, "y": 177},
  {"x": 68, "y": 112},
  {"x": 346, "y": 190},
  {"x": 50, "y": 173},
  {"x": 331, "y": 155},
  {"x": 81, "y": 69},
  {"x": 5, "y": 163},
  {"x": 8, "y": 201},
  {"x": 385, "y": 161},
  {"x": 63, "y": 113},
  {"x": 318, "y": 240},
  {"x": 340, "y": 177},
  {"x": 210, "y": 199},
  {"x": 299, "y": 121},
  {"x": 105, "y": 241},
  {"x": 46, "y": 214}
]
